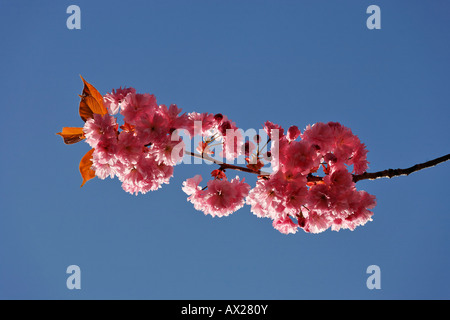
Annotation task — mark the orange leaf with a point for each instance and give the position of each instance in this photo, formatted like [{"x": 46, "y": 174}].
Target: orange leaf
[
  {"x": 71, "y": 135},
  {"x": 91, "y": 102},
  {"x": 218, "y": 174},
  {"x": 85, "y": 167}
]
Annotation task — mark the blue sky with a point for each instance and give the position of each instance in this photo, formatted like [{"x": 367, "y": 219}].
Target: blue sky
[{"x": 291, "y": 62}]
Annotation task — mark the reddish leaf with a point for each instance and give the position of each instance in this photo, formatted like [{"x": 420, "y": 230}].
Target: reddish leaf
[
  {"x": 85, "y": 167},
  {"x": 72, "y": 135},
  {"x": 91, "y": 102},
  {"x": 127, "y": 127},
  {"x": 219, "y": 174}
]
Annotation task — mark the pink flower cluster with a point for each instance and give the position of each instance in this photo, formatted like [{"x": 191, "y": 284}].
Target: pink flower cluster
[
  {"x": 292, "y": 192},
  {"x": 142, "y": 152},
  {"x": 220, "y": 198}
]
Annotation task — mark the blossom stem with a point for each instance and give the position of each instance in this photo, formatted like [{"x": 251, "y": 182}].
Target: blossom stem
[{"x": 268, "y": 140}]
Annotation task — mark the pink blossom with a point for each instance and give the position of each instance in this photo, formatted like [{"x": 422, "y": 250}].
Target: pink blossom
[
  {"x": 168, "y": 151},
  {"x": 206, "y": 122},
  {"x": 319, "y": 134},
  {"x": 319, "y": 198},
  {"x": 233, "y": 144},
  {"x": 221, "y": 198},
  {"x": 316, "y": 223},
  {"x": 293, "y": 133},
  {"x": 152, "y": 128},
  {"x": 359, "y": 159},
  {"x": 136, "y": 105},
  {"x": 194, "y": 191},
  {"x": 339, "y": 178},
  {"x": 100, "y": 128},
  {"x": 224, "y": 197},
  {"x": 330, "y": 158},
  {"x": 285, "y": 225},
  {"x": 113, "y": 100},
  {"x": 278, "y": 196},
  {"x": 344, "y": 141},
  {"x": 269, "y": 127},
  {"x": 104, "y": 163},
  {"x": 175, "y": 121},
  {"x": 163, "y": 173},
  {"x": 334, "y": 139},
  {"x": 191, "y": 185},
  {"x": 297, "y": 156},
  {"x": 295, "y": 195},
  {"x": 225, "y": 127},
  {"x": 144, "y": 176},
  {"x": 266, "y": 199},
  {"x": 129, "y": 148},
  {"x": 359, "y": 214}
]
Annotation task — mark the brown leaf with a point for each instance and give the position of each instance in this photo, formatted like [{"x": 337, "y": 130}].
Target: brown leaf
[
  {"x": 91, "y": 102},
  {"x": 72, "y": 134},
  {"x": 86, "y": 167}
]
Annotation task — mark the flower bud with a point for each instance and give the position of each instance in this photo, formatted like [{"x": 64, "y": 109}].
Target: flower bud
[{"x": 293, "y": 133}]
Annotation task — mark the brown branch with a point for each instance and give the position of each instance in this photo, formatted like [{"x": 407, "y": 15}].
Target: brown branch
[
  {"x": 390, "y": 173},
  {"x": 224, "y": 166}
]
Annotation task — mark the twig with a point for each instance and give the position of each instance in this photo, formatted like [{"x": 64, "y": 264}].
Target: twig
[
  {"x": 224, "y": 166},
  {"x": 390, "y": 173}
]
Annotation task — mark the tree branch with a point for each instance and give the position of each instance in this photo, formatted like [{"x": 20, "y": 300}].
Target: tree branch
[
  {"x": 224, "y": 166},
  {"x": 389, "y": 173}
]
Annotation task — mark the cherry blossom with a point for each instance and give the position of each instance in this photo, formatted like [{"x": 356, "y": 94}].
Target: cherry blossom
[{"x": 309, "y": 183}]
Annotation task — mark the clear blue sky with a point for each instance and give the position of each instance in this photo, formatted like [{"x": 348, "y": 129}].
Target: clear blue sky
[{"x": 291, "y": 62}]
